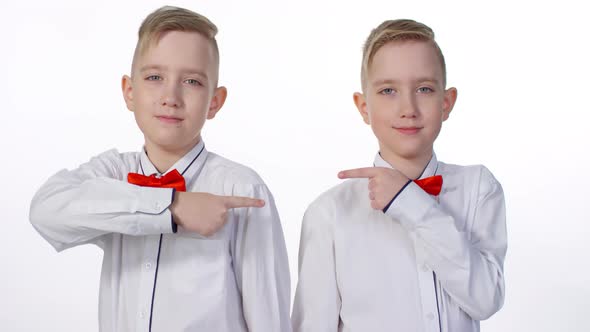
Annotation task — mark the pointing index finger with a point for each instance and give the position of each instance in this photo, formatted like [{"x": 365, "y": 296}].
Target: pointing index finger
[
  {"x": 364, "y": 172},
  {"x": 238, "y": 202}
]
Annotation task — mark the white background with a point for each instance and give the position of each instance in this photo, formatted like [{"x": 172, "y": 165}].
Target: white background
[{"x": 291, "y": 67}]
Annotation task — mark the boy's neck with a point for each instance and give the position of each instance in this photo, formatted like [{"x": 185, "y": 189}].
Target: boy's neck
[
  {"x": 412, "y": 168},
  {"x": 163, "y": 158}
]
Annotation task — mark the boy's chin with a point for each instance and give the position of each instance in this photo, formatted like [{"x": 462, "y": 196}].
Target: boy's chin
[
  {"x": 410, "y": 152},
  {"x": 170, "y": 144}
]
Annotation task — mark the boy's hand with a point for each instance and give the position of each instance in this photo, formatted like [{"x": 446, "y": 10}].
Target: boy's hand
[
  {"x": 206, "y": 213},
  {"x": 384, "y": 183}
]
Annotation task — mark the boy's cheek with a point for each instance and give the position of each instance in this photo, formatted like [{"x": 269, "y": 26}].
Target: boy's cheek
[{"x": 380, "y": 115}]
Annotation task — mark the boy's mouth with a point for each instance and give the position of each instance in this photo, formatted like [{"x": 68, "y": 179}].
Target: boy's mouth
[
  {"x": 168, "y": 119},
  {"x": 407, "y": 130}
]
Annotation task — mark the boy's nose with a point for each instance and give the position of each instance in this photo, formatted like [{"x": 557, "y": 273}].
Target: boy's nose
[
  {"x": 171, "y": 97},
  {"x": 409, "y": 108},
  {"x": 171, "y": 102}
]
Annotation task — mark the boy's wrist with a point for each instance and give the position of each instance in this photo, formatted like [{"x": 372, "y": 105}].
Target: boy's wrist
[
  {"x": 174, "y": 225},
  {"x": 174, "y": 206},
  {"x": 396, "y": 195}
]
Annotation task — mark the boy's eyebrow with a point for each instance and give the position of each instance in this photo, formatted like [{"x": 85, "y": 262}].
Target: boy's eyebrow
[
  {"x": 427, "y": 79},
  {"x": 183, "y": 70},
  {"x": 417, "y": 80},
  {"x": 384, "y": 81}
]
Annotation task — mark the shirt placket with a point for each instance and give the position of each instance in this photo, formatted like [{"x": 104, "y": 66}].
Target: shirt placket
[
  {"x": 147, "y": 282},
  {"x": 429, "y": 289},
  {"x": 426, "y": 282}
]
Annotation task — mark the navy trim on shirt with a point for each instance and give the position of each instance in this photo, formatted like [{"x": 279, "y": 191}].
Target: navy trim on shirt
[
  {"x": 189, "y": 165},
  {"x": 436, "y": 294},
  {"x": 141, "y": 166},
  {"x": 174, "y": 225},
  {"x": 155, "y": 282},
  {"x": 394, "y": 197}
]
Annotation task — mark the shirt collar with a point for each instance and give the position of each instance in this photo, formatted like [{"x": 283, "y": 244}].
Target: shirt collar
[
  {"x": 189, "y": 165},
  {"x": 429, "y": 170}
]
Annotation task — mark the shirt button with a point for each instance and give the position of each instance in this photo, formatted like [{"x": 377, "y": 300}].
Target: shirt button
[
  {"x": 430, "y": 316},
  {"x": 142, "y": 315},
  {"x": 424, "y": 268},
  {"x": 157, "y": 205},
  {"x": 148, "y": 266}
]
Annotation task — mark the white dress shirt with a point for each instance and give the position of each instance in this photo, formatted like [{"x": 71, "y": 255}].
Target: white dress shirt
[
  {"x": 154, "y": 279},
  {"x": 427, "y": 264}
]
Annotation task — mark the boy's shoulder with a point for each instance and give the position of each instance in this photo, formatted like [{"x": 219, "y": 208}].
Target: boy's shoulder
[
  {"x": 114, "y": 156},
  {"x": 475, "y": 181},
  {"x": 230, "y": 171},
  {"x": 344, "y": 196},
  {"x": 449, "y": 168},
  {"x": 111, "y": 163},
  {"x": 478, "y": 173}
]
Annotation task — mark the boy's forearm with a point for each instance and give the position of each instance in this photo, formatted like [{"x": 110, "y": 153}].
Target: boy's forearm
[
  {"x": 469, "y": 266},
  {"x": 70, "y": 209}
]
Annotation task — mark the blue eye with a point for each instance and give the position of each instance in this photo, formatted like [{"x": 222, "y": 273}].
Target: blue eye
[
  {"x": 425, "y": 89},
  {"x": 386, "y": 91},
  {"x": 154, "y": 78}
]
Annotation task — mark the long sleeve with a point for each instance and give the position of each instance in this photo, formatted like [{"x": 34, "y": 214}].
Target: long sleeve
[
  {"x": 469, "y": 265},
  {"x": 78, "y": 206},
  {"x": 261, "y": 263},
  {"x": 317, "y": 299}
]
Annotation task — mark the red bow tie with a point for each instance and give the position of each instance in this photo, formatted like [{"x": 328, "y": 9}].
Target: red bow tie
[
  {"x": 431, "y": 185},
  {"x": 172, "y": 179}
]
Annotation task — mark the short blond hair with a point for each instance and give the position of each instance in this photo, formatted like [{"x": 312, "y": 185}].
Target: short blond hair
[
  {"x": 169, "y": 18},
  {"x": 396, "y": 31}
]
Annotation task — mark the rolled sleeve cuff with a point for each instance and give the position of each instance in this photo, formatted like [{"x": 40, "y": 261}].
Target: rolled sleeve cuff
[
  {"x": 411, "y": 206},
  {"x": 155, "y": 217}
]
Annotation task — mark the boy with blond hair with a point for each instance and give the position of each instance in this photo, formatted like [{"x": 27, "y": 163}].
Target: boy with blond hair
[
  {"x": 410, "y": 244},
  {"x": 192, "y": 241}
]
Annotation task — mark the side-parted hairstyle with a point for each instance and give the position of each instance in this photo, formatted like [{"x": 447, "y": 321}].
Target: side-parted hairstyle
[
  {"x": 394, "y": 31},
  {"x": 168, "y": 18}
]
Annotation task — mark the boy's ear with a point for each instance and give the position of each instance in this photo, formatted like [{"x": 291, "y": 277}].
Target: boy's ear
[
  {"x": 449, "y": 101},
  {"x": 217, "y": 101},
  {"x": 127, "y": 88},
  {"x": 361, "y": 105}
]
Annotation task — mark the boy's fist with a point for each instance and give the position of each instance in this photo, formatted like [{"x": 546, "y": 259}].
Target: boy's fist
[
  {"x": 384, "y": 183},
  {"x": 206, "y": 213}
]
